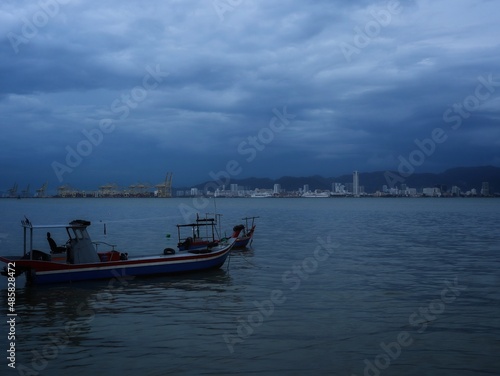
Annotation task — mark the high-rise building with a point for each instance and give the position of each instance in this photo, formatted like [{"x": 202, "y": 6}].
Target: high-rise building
[
  {"x": 338, "y": 188},
  {"x": 277, "y": 189},
  {"x": 355, "y": 183},
  {"x": 455, "y": 191},
  {"x": 485, "y": 189}
]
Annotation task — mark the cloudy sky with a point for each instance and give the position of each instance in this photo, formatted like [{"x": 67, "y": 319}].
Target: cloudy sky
[{"x": 122, "y": 92}]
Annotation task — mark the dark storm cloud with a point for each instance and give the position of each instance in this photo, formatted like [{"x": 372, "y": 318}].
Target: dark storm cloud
[{"x": 364, "y": 80}]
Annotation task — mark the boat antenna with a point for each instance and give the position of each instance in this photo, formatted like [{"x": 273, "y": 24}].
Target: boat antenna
[
  {"x": 104, "y": 227},
  {"x": 217, "y": 217}
]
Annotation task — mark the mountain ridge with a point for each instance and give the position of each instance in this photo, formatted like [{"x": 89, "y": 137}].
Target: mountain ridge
[{"x": 465, "y": 178}]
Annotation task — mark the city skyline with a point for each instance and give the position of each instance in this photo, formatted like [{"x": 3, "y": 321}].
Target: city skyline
[{"x": 340, "y": 185}]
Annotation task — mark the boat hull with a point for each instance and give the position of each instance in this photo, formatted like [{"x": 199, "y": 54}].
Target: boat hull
[
  {"x": 45, "y": 272},
  {"x": 242, "y": 242}
]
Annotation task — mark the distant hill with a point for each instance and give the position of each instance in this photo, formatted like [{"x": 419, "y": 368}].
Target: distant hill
[{"x": 465, "y": 178}]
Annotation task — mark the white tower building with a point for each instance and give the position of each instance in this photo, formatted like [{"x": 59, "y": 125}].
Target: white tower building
[{"x": 355, "y": 183}]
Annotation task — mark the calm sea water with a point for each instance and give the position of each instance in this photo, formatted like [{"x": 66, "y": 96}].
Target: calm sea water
[{"x": 329, "y": 287}]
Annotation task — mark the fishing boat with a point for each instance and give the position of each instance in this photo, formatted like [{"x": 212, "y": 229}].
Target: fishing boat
[
  {"x": 78, "y": 259},
  {"x": 243, "y": 234},
  {"x": 204, "y": 233}
]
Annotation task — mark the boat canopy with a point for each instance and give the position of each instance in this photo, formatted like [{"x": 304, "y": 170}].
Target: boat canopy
[{"x": 80, "y": 248}]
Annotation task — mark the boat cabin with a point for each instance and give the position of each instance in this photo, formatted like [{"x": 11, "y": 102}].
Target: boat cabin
[
  {"x": 78, "y": 249},
  {"x": 203, "y": 234}
]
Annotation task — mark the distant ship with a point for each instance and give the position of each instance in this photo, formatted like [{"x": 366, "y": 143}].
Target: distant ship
[
  {"x": 316, "y": 193},
  {"x": 261, "y": 194}
]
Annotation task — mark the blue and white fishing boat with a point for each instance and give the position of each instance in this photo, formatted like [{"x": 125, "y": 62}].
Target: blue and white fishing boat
[{"x": 79, "y": 260}]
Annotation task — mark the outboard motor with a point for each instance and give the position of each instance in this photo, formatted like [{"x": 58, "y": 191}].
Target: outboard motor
[{"x": 237, "y": 230}]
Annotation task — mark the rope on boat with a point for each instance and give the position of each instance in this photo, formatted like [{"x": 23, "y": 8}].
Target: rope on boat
[{"x": 244, "y": 258}]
